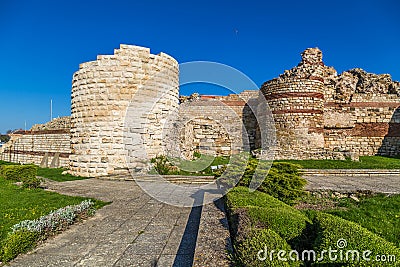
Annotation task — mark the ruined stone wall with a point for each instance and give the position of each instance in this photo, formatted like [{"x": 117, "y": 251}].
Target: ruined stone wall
[
  {"x": 118, "y": 107},
  {"x": 125, "y": 110},
  {"x": 47, "y": 148},
  {"x": 217, "y": 125},
  {"x": 54, "y": 124},
  {"x": 319, "y": 114},
  {"x": 362, "y": 113},
  {"x": 368, "y": 125},
  {"x": 47, "y": 145}
]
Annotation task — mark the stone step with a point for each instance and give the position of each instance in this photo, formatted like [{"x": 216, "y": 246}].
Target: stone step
[
  {"x": 180, "y": 179},
  {"x": 350, "y": 172}
]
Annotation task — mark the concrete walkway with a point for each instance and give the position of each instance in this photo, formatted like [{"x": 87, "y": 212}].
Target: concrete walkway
[
  {"x": 134, "y": 230},
  {"x": 380, "y": 181}
]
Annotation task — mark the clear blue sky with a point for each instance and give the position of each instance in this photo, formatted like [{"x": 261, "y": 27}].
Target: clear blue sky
[{"x": 43, "y": 42}]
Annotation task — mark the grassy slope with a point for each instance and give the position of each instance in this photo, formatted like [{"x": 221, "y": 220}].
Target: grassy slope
[
  {"x": 379, "y": 214},
  {"x": 18, "y": 204},
  {"x": 366, "y": 162}
]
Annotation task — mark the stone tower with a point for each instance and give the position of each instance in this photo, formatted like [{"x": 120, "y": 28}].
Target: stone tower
[
  {"x": 296, "y": 100},
  {"x": 102, "y": 92}
]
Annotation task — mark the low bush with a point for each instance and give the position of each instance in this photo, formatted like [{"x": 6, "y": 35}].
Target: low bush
[
  {"x": 25, "y": 234},
  {"x": 256, "y": 250},
  {"x": 240, "y": 197},
  {"x": 161, "y": 165},
  {"x": 24, "y": 173},
  {"x": 56, "y": 220},
  {"x": 284, "y": 182},
  {"x": 18, "y": 172},
  {"x": 332, "y": 229},
  {"x": 265, "y": 211},
  {"x": 239, "y": 171},
  {"x": 288, "y": 222},
  {"x": 16, "y": 243},
  {"x": 281, "y": 180},
  {"x": 31, "y": 182}
]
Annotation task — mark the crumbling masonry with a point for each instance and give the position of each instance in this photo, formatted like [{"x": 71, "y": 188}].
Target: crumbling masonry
[{"x": 318, "y": 114}]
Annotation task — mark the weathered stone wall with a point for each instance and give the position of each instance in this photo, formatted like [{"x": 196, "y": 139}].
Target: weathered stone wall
[
  {"x": 102, "y": 91},
  {"x": 47, "y": 148},
  {"x": 319, "y": 114},
  {"x": 125, "y": 110},
  {"x": 216, "y": 125},
  {"x": 367, "y": 125},
  {"x": 297, "y": 107}
]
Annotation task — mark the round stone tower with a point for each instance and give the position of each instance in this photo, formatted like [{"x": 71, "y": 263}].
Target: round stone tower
[
  {"x": 102, "y": 91},
  {"x": 296, "y": 100}
]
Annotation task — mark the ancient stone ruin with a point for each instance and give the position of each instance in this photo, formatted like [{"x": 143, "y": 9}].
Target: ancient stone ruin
[
  {"x": 126, "y": 109},
  {"x": 47, "y": 145}
]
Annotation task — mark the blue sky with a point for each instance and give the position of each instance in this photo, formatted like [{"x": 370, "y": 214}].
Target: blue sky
[{"x": 43, "y": 42}]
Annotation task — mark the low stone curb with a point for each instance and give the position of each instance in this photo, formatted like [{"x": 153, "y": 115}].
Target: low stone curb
[
  {"x": 179, "y": 179},
  {"x": 350, "y": 172}
]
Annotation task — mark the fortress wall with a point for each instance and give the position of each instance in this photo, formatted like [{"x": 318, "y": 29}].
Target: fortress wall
[
  {"x": 320, "y": 114},
  {"x": 209, "y": 127},
  {"x": 102, "y": 91},
  {"x": 125, "y": 110},
  {"x": 368, "y": 125},
  {"x": 297, "y": 107},
  {"x": 217, "y": 124},
  {"x": 50, "y": 148}
]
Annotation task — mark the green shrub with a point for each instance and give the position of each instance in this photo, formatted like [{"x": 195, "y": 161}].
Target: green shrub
[
  {"x": 281, "y": 180},
  {"x": 266, "y": 211},
  {"x": 331, "y": 229},
  {"x": 288, "y": 168},
  {"x": 196, "y": 154},
  {"x": 242, "y": 197},
  {"x": 24, "y": 173},
  {"x": 284, "y": 182},
  {"x": 265, "y": 240},
  {"x": 2, "y": 162},
  {"x": 18, "y": 172},
  {"x": 379, "y": 214},
  {"x": 240, "y": 170},
  {"x": 31, "y": 182},
  {"x": 161, "y": 164},
  {"x": 16, "y": 243},
  {"x": 288, "y": 222}
]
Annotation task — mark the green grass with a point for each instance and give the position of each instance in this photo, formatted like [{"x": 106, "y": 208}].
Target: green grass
[
  {"x": 201, "y": 165},
  {"x": 331, "y": 228},
  {"x": 380, "y": 214},
  {"x": 55, "y": 174},
  {"x": 366, "y": 162},
  {"x": 373, "y": 223},
  {"x": 18, "y": 204},
  {"x": 6, "y": 163}
]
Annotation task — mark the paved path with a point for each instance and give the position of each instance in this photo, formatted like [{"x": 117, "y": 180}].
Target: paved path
[
  {"x": 351, "y": 181},
  {"x": 134, "y": 230}
]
